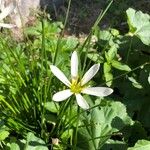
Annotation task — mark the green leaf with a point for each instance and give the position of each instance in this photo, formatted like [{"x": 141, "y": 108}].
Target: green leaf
[
  {"x": 96, "y": 57},
  {"x": 35, "y": 143},
  {"x": 52, "y": 106},
  {"x": 66, "y": 135},
  {"x": 109, "y": 79},
  {"x": 137, "y": 19},
  {"x": 101, "y": 123},
  {"x": 107, "y": 74},
  {"x": 107, "y": 67},
  {"x": 107, "y": 57},
  {"x": 139, "y": 25},
  {"x": 115, "y": 32},
  {"x": 3, "y": 134},
  {"x": 51, "y": 118},
  {"x": 135, "y": 83},
  {"x": 112, "y": 53},
  {"x": 141, "y": 145},
  {"x": 14, "y": 146},
  {"x": 120, "y": 66},
  {"x": 144, "y": 34},
  {"x": 105, "y": 35},
  {"x": 69, "y": 43},
  {"x": 114, "y": 145}
]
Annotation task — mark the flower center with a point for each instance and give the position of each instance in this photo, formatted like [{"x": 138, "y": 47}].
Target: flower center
[{"x": 76, "y": 86}]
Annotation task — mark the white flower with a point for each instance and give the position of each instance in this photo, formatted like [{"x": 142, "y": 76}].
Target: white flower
[
  {"x": 5, "y": 11},
  {"x": 77, "y": 86}
]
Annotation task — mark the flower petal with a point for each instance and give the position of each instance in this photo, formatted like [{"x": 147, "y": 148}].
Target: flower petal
[
  {"x": 62, "y": 95},
  {"x": 74, "y": 65},
  {"x": 6, "y": 11},
  {"x": 4, "y": 25},
  {"x": 90, "y": 74},
  {"x": 60, "y": 75},
  {"x": 98, "y": 91},
  {"x": 81, "y": 101}
]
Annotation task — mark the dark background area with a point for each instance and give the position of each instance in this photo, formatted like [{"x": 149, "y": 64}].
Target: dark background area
[{"x": 83, "y": 13}]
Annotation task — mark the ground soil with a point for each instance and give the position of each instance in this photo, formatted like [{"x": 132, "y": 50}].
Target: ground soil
[{"x": 83, "y": 13}]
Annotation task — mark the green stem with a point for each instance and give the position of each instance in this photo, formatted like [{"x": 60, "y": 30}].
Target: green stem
[
  {"x": 76, "y": 129},
  {"x": 101, "y": 15},
  {"x": 7, "y": 104},
  {"x": 59, "y": 118},
  {"x": 136, "y": 68},
  {"x": 62, "y": 33},
  {"x": 43, "y": 98},
  {"x": 129, "y": 50}
]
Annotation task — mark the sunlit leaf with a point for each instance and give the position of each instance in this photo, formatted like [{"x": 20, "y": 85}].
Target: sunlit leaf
[
  {"x": 112, "y": 53},
  {"x": 107, "y": 74},
  {"x": 105, "y": 35},
  {"x": 3, "y": 134},
  {"x": 96, "y": 57},
  {"x": 66, "y": 135},
  {"x": 114, "y": 145},
  {"x": 144, "y": 34},
  {"x": 101, "y": 123},
  {"x": 69, "y": 43},
  {"x": 139, "y": 25},
  {"x": 120, "y": 66},
  {"x": 141, "y": 145},
  {"x": 35, "y": 143},
  {"x": 135, "y": 83},
  {"x": 52, "y": 106},
  {"x": 14, "y": 146},
  {"x": 109, "y": 79},
  {"x": 115, "y": 32},
  {"x": 107, "y": 67}
]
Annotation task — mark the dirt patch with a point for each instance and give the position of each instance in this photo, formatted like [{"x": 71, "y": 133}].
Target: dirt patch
[
  {"x": 84, "y": 13},
  {"x": 82, "y": 17}
]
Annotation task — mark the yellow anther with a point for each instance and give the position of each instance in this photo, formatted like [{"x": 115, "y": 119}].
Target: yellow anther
[{"x": 76, "y": 86}]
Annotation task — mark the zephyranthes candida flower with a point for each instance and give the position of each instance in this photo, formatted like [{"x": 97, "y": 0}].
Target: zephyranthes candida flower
[
  {"x": 5, "y": 11},
  {"x": 76, "y": 86}
]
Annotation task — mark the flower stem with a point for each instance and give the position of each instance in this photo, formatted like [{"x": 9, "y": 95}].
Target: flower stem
[
  {"x": 62, "y": 33},
  {"x": 76, "y": 129}
]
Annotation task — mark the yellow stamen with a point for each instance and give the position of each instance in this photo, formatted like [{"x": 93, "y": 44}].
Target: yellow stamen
[{"x": 76, "y": 86}]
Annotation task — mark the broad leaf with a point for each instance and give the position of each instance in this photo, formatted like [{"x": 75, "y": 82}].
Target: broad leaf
[
  {"x": 51, "y": 106},
  {"x": 144, "y": 34},
  {"x": 114, "y": 145},
  {"x": 14, "y": 146},
  {"x": 139, "y": 25},
  {"x": 100, "y": 124},
  {"x": 96, "y": 57},
  {"x": 69, "y": 43},
  {"x": 35, "y": 143},
  {"x": 141, "y": 145},
  {"x": 105, "y": 35}
]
